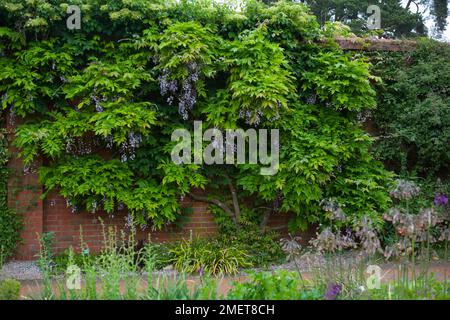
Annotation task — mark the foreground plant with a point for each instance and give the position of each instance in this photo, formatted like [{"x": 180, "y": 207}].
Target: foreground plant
[
  {"x": 121, "y": 271},
  {"x": 411, "y": 247},
  {"x": 9, "y": 289}
]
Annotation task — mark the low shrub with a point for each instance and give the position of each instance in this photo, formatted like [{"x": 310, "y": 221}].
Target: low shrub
[
  {"x": 262, "y": 248},
  {"x": 9, "y": 289},
  {"x": 208, "y": 256},
  {"x": 413, "y": 115}
]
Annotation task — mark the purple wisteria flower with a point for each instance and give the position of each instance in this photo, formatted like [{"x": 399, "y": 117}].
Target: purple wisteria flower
[
  {"x": 334, "y": 289},
  {"x": 440, "y": 199}
]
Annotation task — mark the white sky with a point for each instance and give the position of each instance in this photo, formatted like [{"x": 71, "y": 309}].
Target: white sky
[{"x": 429, "y": 20}]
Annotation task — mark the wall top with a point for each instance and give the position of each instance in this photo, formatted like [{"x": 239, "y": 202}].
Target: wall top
[{"x": 368, "y": 44}]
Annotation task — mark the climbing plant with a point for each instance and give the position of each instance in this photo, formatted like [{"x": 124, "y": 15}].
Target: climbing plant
[
  {"x": 10, "y": 222},
  {"x": 413, "y": 116},
  {"x": 100, "y": 104}
]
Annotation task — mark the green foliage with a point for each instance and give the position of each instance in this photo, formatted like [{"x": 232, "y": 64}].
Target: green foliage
[
  {"x": 429, "y": 290},
  {"x": 68, "y": 257},
  {"x": 440, "y": 10},
  {"x": 110, "y": 178},
  {"x": 279, "y": 285},
  {"x": 109, "y": 89},
  {"x": 46, "y": 254},
  {"x": 413, "y": 114},
  {"x": 162, "y": 254},
  {"x": 184, "y": 43},
  {"x": 180, "y": 288},
  {"x": 324, "y": 155},
  {"x": 118, "y": 273},
  {"x": 45, "y": 262},
  {"x": 342, "y": 82},
  {"x": 262, "y": 248},
  {"x": 10, "y": 222},
  {"x": 259, "y": 82},
  {"x": 9, "y": 289},
  {"x": 253, "y": 248},
  {"x": 211, "y": 256},
  {"x": 114, "y": 186}
]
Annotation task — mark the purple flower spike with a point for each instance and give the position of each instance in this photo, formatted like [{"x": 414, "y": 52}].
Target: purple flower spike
[
  {"x": 333, "y": 291},
  {"x": 440, "y": 200},
  {"x": 201, "y": 271}
]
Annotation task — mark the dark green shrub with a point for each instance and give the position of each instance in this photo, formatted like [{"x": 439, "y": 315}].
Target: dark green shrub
[
  {"x": 413, "y": 114},
  {"x": 9, "y": 289},
  {"x": 10, "y": 226},
  {"x": 262, "y": 247}
]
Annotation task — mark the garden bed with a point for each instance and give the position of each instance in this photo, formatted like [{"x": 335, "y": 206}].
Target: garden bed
[{"x": 32, "y": 284}]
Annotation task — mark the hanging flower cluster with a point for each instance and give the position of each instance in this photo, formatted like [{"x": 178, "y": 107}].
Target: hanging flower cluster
[{"x": 186, "y": 93}]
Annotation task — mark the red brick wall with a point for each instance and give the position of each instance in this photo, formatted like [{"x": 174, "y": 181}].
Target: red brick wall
[
  {"x": 66, "y": 225},
  {"x": 24, "y": 194},
  {"x": 52, "y": 215}
]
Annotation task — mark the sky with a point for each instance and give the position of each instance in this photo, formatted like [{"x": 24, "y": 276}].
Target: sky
[{"x": 429, "y": 21}]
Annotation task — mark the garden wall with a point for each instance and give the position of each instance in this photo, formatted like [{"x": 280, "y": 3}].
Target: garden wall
[{"x": 52, "y": 214}]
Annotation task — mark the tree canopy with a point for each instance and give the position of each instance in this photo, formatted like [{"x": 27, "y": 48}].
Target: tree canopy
[{"x": 398, "y": 19}]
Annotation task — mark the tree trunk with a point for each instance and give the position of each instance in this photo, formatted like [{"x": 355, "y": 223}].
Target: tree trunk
[{"x": 265, "y": 219}]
